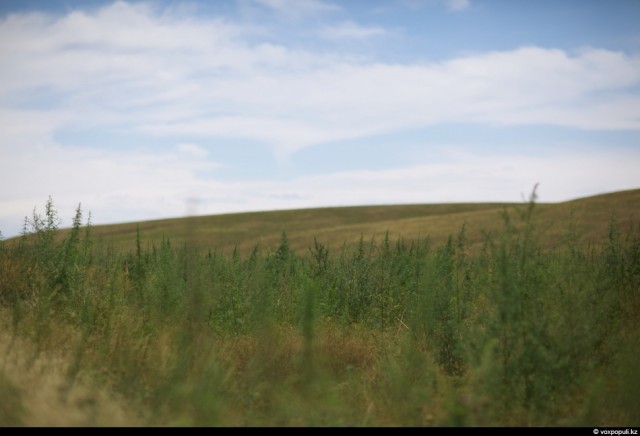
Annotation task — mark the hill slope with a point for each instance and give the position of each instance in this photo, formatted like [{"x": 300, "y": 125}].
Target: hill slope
[{"x": 337, "y": 225}]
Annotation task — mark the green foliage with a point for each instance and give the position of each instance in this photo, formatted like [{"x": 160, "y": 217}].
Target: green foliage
[{"x": 513, "y": 334}]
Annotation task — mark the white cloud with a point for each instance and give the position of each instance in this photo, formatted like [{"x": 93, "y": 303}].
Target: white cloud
[
  {"x": 192, "y": 150},
  {"x": 286, "y": 136},
  {"x": 452, "y": 5},
  {"x": 114, "y": 185},
  {"x": 351, "y": 30},
  {"x": 119, "y": 186},
  {"x": 299, "y": 8},
  {"x": 137, "y": 69},
  {"x": 467, "y": 176},
  {"x": 342, "y": 101},
  {"x": 458, "y": 5}
]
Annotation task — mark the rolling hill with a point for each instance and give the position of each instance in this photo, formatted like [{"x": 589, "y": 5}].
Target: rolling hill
[{"x": 333, "y": 226}]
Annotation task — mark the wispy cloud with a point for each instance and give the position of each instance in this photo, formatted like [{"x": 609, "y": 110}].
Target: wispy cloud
[
  {"x": 185, "y": 81},
  {"x": 451, "y": 5},
  {"x": 115, "y": 185},
  {"x": 458, "y": 5},
  {"x": 119, "y": 186},
  {"x": 351, "y": 30},
  {"x": 342, "y": 101},
  {"x": 299, "y": 8},
  {"x": 132, "y": 68}
]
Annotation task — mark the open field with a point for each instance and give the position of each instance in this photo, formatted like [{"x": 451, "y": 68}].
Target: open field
[
  {"x": 431, "y": 315},
  {"x": 335, "y": 226}
]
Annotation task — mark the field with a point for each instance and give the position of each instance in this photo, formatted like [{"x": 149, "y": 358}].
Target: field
[
  {"x": 335, "y": 226},
  {"x": 421, "y": 315}
]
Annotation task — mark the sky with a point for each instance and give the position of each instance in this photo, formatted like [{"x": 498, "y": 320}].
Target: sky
[{"x": 140, "y": 110}]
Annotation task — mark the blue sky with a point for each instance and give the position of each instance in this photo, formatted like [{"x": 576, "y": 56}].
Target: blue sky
[{"x": 144, "y": 110}]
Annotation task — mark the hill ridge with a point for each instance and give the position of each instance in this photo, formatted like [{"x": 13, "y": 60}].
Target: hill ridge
[{"x": 335, "y": 225}]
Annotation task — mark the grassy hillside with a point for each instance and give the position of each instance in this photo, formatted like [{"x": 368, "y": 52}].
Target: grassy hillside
[
  {"x": 526, "y": 316},
  {"x": 337, "y": 225}
]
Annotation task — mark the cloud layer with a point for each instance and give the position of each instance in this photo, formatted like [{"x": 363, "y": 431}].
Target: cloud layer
[
  {"x": 137, "y": 68},
  {"x": 187, "y": 79},
  {"x": 125, "y": 186}
]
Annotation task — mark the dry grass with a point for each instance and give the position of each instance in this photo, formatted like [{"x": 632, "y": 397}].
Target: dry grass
[
  {"x": 37, "y": 389},
  {"x": 335, "y": 226}
]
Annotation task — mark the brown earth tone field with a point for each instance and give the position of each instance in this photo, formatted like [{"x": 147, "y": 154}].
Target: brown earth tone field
[{"x": 335, "y": 226}]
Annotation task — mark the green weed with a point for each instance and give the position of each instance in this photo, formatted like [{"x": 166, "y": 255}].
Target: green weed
[{"x": 378, "y": 332}]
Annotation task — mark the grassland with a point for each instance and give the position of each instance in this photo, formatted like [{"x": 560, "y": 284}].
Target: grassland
[
  {"x": 335, "y": 226},
  {"x": 424, "y": 315}
]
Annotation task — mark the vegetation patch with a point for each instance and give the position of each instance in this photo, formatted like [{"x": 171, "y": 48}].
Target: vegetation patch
[{"x": 502, "y": 329}]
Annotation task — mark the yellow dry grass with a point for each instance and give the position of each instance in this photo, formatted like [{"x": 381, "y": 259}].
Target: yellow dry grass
[
  {"x": 335, "y": 226},
  {"x": 36, "y": 389}
]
